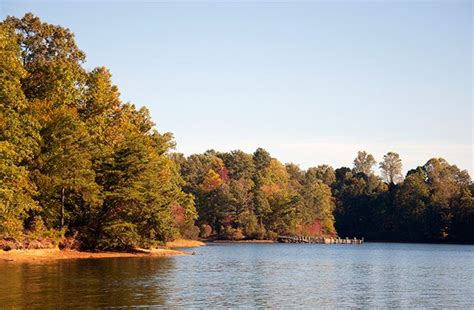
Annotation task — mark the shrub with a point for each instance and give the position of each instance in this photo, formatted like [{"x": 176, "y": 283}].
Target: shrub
[
  {"x": 118, "y": 236},
  {"x": 230, "y": 233},
  {"x": 205, "y": 231},
  {"x": 271, "y": 235}
]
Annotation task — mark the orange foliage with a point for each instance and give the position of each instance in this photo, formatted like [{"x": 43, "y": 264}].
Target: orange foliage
[
  {"x": 205, "y": 231},
  {"x": 178, "y": 213},
  {"x": 270, "y": 189},
  {"x": 211, "y": 181},
  {"x": 223, "y": 174},
  {"x": 310, "y": 229}
]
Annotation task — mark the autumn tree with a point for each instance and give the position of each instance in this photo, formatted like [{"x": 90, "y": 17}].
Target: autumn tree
[
  {"x": 241, "y": 195},
  {"x": 73, "y": 157}
]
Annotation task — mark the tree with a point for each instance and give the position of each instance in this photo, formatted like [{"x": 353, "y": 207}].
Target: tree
[
  {"x": 364, "y": 162},
  {"x": 51, "y": 57},
  {"x": 434, "y": 202},
  {"x": 391, "y": 168},
  {"x": 412, "y": 201},
  {"x": 66, "y": 179},
  {"x": 239, "y": 164},
  {"x": 319, "y": 207},
  {"x": 462, "y": 225},
  {"x": 280, "y": 217},
  {"x": 261, "y": 159},
  {"x": 19, "y": 140},
  {"x": 73, "y": 157},
  {"x": 446, "y": 183},
  {"x": 324, "y": 173},
  {"x": 358, "y": 209}
]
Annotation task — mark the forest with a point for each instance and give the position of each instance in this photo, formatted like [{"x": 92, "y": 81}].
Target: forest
[
  {"x": 81, "y": 168},
  {"x": 241, "y": 195}
]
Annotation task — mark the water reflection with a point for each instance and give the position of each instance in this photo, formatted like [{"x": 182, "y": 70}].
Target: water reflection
[
  {"x": 254, "y": 275},
  {"x": 85, "y": 283}
]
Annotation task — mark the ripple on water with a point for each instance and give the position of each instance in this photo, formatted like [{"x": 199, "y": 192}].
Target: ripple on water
[{"x": 254, "y": 275}]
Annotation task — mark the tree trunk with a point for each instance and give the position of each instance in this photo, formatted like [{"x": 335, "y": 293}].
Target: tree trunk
[{"x": 61, "y": 221}]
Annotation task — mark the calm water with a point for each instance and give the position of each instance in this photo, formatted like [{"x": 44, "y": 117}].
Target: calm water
[{"x": 253, "y": 275}]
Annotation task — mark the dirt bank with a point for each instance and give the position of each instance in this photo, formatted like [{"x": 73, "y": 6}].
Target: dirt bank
[
  {"x": 42, "y": 255},
  {"x": 184, "y": 243}
]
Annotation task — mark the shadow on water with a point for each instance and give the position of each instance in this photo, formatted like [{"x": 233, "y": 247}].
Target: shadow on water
[{"x": 85, "y": 283}]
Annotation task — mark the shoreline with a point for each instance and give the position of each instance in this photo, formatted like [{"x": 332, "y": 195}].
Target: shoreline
[
  {"x": 55, "y": 254},
  {"x": 241, "y": 241},
  {"x": 184, "y": 243}
]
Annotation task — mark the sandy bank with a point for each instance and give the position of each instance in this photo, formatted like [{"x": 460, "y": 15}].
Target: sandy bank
[
  {"x": 184, "y": 243},
  {"x": 42, "y": 255}
]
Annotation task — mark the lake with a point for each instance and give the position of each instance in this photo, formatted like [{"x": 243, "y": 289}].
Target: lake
[{"x": 253, "y": 275}]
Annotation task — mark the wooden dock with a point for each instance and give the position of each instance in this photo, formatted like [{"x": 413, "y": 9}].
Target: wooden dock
[{"x": 319, "y": 240}]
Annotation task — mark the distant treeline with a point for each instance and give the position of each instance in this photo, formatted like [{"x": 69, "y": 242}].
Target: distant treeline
[
  {"x": 241, "y": 195},
  {"x": 78, "y": 163}
]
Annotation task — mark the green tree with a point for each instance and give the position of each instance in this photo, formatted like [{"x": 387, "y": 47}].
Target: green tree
[
  {"x": 66, "y": 178},
  {"x": 280, "y": 215},
  {"x": 319, "y": 206},
  {"x": 412, "y": 200},
  {"x": 358, "y": 207},
  {"x": 19, "y": 140},
  {"x": 324, "y": 173},
  {"x": 53, "y": 61},
  {"x": 462, "y": 225}
]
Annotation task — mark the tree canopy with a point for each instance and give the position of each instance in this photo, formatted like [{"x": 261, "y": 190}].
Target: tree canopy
[
  {"x": 240, "y": 195},
  {"x": 432, "y": 204},
  {"x": 73, "y": 157}
]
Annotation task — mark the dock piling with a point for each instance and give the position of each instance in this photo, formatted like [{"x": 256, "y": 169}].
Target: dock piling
[{"x": 319, "y": 240}]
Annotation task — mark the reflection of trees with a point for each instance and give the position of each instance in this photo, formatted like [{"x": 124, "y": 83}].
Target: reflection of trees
[{"x": 86, "y": 283}]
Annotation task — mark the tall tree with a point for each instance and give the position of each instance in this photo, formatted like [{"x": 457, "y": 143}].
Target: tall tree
[
  {"x": 261, "y": 159},
  {"x": 66, "y": 178},
  {"x": 19, "y": 139},
  {"x": 319, "y": 207},
  {"x": 324, "y": 173},
  {"x": 141, "y": 189},
  {"x": 364, "y": 162},
  {"x": 391, "y": 168},
  {"x": 358, "y": 208},
  {"x": 52, "y": 59}
]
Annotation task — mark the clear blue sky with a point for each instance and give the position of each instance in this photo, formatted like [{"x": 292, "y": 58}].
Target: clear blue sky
[{"x": 312, "y": 82}]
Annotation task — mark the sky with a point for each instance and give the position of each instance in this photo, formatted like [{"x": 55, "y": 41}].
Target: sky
[{"x": 312, "y": 82}]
